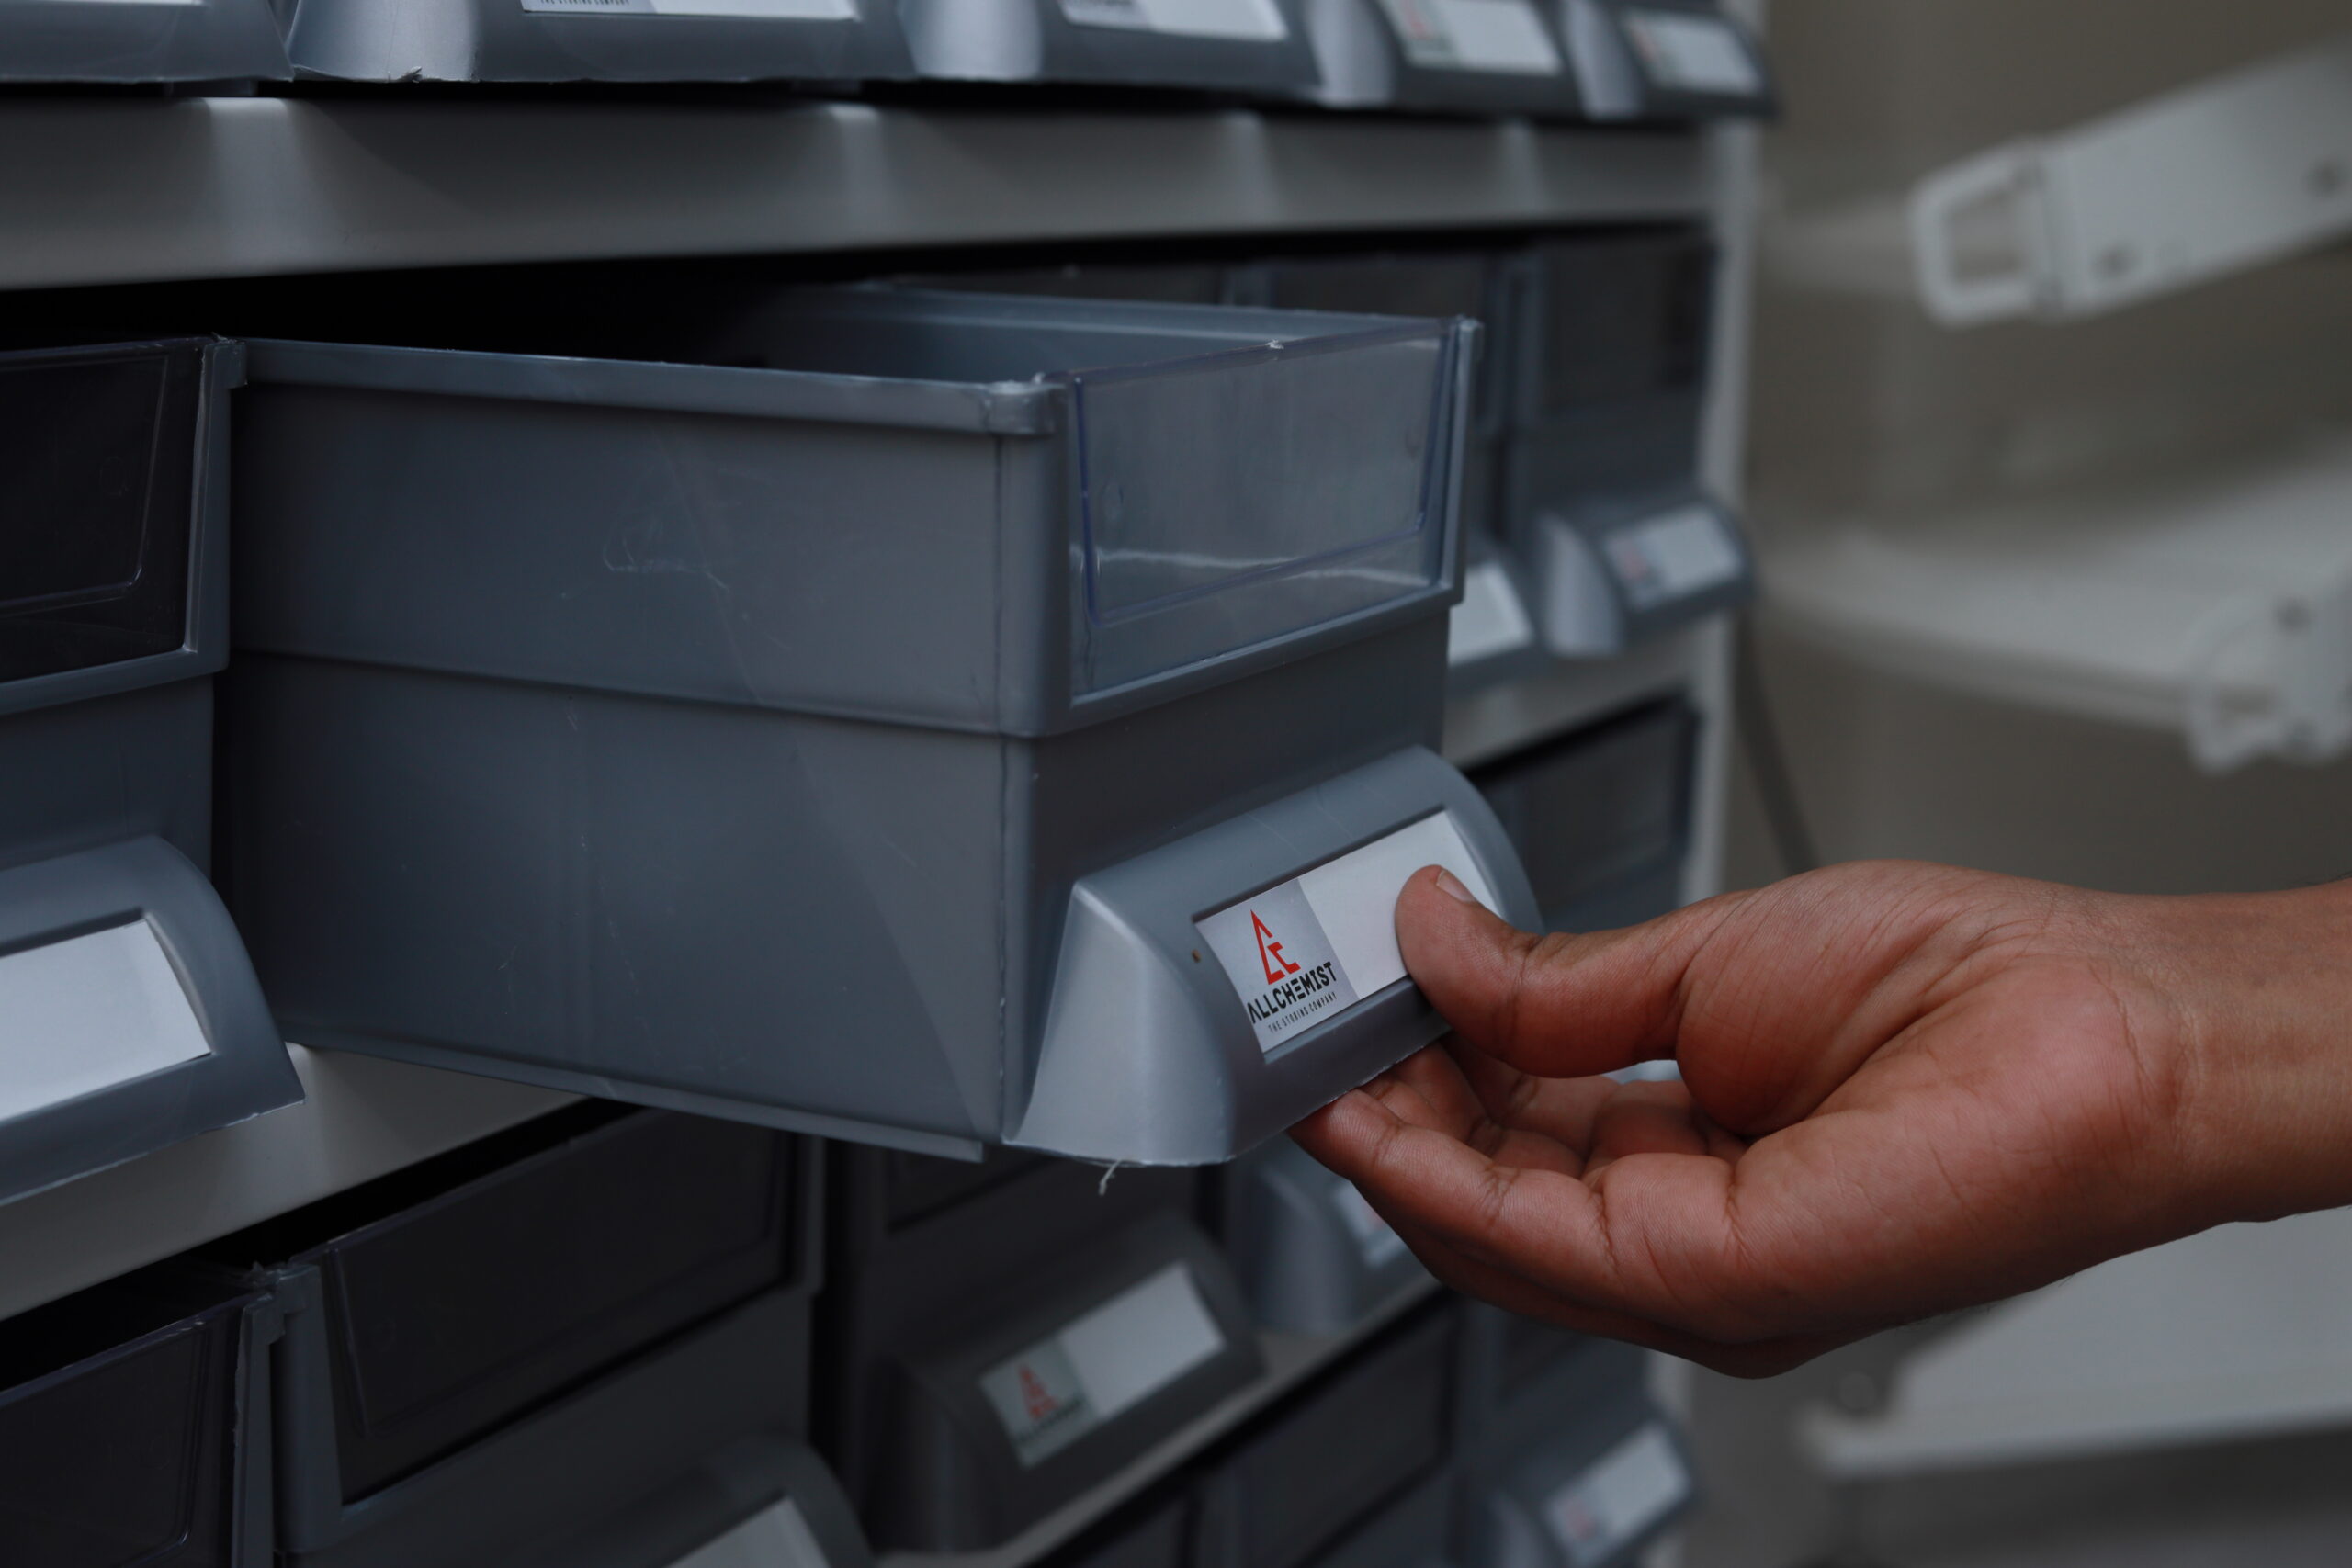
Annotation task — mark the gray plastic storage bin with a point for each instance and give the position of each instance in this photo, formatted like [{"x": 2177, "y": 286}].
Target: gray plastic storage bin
[
  {"x": 1570, "y": 1463},
  {"x": 1320, "y": 1464},
  {"x": 1312, "y": 1255},
  {"x": 1601, "y": 818},
  {"x": 1002, "y": 1336},
  {"x": 1602, "y": 503},
  {"x": 592, "y": 1328},
  {"x": 1664, "y": 60},
  {"x": 166, "y": 40},
  {"x": 134, "y": 1426},
  {"x": 129, "y": 1017},
  {"x": 1154, "y": 1533},
  {"x": 1239, "y": 45},
  {"x": 893, "y": 729},
  {"x": 1466, "y": 56},
  {"x": 597, "y": 41}
]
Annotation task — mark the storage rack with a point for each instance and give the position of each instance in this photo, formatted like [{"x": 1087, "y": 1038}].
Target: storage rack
[{"x": 124, "y": 190}]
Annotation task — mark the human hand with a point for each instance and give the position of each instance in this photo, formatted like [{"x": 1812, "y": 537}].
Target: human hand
[{"x": 1905, "y": 1089}]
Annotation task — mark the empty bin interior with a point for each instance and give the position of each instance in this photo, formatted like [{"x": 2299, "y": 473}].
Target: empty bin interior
[
  {"x": 465, "y": 1293},
  {"x": 118, "y": 1412}
]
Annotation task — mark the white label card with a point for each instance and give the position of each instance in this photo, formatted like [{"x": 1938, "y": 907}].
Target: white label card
[
  {"x": 1490, "y": 621},
  {"x": 1250, "y": 21},
  {"x": 1503, "y": 36},
  {"x": 1693, "y": 54},
  {"x": 88, "y": 1013},
  {"x": 1673, "y": 555},
  {"x": 757, "y": 10},
  {"x": 1624, "y": 1495},
  {"x": 1101, "y": 1363},
  {"x": 1308, "y": 949}
]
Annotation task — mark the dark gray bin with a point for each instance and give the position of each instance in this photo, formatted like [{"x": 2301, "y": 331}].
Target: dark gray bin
[
  {"x": 1154, "y": 1533},
  {"x": 1602, "y": 817},
  {"x": 851, "y": 747},
  {"x": 1239, "y": 46},
  {"x": 597, "y": 41},
  {"x": 1323, "y": 1462},
  {"x": 1601, "y": 502},
  {"x": 1665, "y": 59},
  {"x": 129, "y": 1017},
  {"x": 181, "y": 40},
  {"x": 1566, "y": 1460},
  {"x": 135, "y": 1427},
  {"x": 1312, "y": 1255},
  {"x": 592, "y": 1328},
  {"x": 971, "y": 1315},
  {"x": 1417, "y": 1530},
  {"x": 1498, "y": 57}
]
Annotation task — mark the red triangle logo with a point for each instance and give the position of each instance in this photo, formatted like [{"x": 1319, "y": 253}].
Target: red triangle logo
[{"x": 1270, "y": 952}]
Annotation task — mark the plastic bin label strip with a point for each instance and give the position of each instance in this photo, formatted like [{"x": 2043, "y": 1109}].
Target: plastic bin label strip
[
  {"x": 757, "y": 10},
  {"x": 1684, "y": 53},
  {"x": 1624, "y": 1495},
  {"x": 87, "y": 1013},
  {"x": 1673, "y": 555},
  {"x": 1504, "y": 36},
  {"x": 1490, "y": 621},
  {"x": 1308, "y": 949},
  {"x": 1251, "y": 21},
  {"x": 1102, "y": 1363}
]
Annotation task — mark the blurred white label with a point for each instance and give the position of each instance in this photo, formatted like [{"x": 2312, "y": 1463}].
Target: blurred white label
[
  {"x": 1504, "y": 36},
  {"x": 1490, "y": 621},
  {"x": 89, "y": 1014},
  {"x": 1628, "y": 1493},
  {"x": 763, "y": 10},
  {"x": 773, "y": 1537},
  {"x": 1693, "y": 54},
  {"x": 1306, "y": 950},
  {"x": 1253, "y": 21},
  {"x": 1376, "y": 1240},
  {"x": 1101, "y": 1363},
  {"x": 1673, "y": 555}
]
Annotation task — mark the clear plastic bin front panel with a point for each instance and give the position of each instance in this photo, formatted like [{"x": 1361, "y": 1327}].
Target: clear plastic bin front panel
[{"x": 1241, "y": 498}]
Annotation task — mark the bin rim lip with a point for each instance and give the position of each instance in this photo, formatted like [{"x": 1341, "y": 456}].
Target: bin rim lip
[
  {"x": 994, "y": 408},
  {"x": 241, "y": 1302}
]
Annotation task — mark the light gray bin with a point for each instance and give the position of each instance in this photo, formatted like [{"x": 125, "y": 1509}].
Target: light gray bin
[
  {"x": 597, "y": 41},
  {"x": 1487, "y": 57},
  {"x": 168, "y": 40},
  {"x": 1240, "y": 46},
  {"x": 1664, "y": 60},
  {"x": 859, "y": 734}
]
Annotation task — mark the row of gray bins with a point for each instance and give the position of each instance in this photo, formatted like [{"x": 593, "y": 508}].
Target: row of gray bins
[
  {"x": 1601, "y": 60},
  {"x": 621, "y": 1339}
]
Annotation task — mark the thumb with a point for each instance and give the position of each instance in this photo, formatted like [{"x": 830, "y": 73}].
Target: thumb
[{"x": 1552, "y": 1006}]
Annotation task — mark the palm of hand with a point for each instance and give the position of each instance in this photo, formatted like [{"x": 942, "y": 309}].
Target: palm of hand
[{"x": 1900, "y": 1095}]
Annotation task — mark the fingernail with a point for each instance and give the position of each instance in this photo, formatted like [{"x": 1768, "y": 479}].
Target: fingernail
[{"x": 1451, "y": 886}]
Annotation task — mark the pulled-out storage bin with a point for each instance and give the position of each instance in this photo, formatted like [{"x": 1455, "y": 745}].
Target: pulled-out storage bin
[
  {"x": 1002, "y": 1336},
  {"x": 1312, "y": 1255},
  {"x": 129, "y": 1017},
  {"x": 161, "y": 41},
  {"x": 1664, "y": 60},
  {"x": 134, "y": 1420},
  {"x": 592, "y": 1328},
  {"x": 1602, "y": 817},
  {"x": 937, "y": 720},
  {"x": 1321, "y": 1465},
  {"x": 1468, "y": 56},
  {"x": 1566, "y": 1460},
  {"x": 597, "y": 41},
  {"x": 1237, "y": 46},
  {"x": 1602, "y": 503}
]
